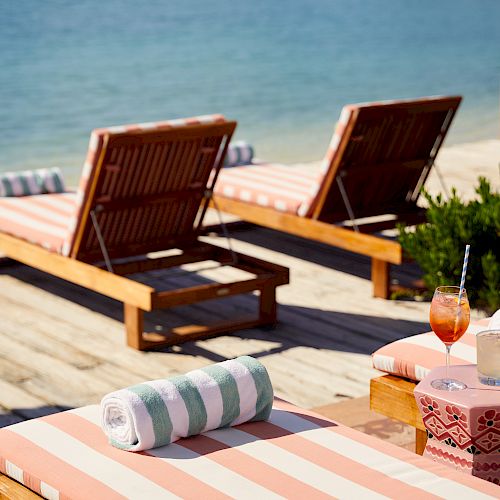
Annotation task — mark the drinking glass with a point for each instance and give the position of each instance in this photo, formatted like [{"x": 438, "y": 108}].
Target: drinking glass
[
  {"x": 488, "y": 357},
  {"x": 449, "y": 320}
]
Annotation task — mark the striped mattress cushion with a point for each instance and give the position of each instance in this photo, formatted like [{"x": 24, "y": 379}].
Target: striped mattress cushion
[
  {"x": 269, "y": 185},
  {"x": 296, "y": 454},
  {"x": 414, "y": 357},
  {"x": 41, "y": 219},
  {"x": 28, "y": 182}
]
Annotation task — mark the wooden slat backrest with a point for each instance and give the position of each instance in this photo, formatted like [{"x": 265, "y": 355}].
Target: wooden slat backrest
[
  {"x": 383, "y": 158},
  {"x": 147, "y": 186}
]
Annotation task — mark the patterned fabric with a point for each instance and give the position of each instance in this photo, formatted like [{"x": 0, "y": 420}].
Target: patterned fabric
[
  {"x": 463, "y": 429},
  {"x": 159, "y": 412},
  {"x": 94, "y": 150},
  {"x": 295, "y": 454},
  {"x": 238, "y": 153},
  {"x": 414, "y": 357},
  {"x": 40, "y": 219},
  {"x": 28, "y": 182},
  {"x": 269, "y": 185}
]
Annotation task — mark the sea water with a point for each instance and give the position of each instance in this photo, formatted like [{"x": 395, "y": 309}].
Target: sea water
[{"x": 283, "y": 69}]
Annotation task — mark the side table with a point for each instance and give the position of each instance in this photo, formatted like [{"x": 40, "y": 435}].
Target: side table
[{"x": 463, "y": 427}]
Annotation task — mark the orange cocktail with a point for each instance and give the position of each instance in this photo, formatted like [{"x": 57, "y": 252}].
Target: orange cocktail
[{"x": 449, "y": 318}]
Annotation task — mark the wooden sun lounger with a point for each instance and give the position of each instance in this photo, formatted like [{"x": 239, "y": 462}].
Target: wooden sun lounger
[
  {"x": 379, "y": 158},
  {"x": 144, "y": 189}
]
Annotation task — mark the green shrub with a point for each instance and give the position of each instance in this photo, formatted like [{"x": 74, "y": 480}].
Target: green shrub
[{"x": 438, "y": 245}]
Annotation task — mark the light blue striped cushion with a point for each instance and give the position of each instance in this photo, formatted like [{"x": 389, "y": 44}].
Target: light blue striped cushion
[
  {"x": 238, "y": 153},
  {"x": 30, "y": 182}
]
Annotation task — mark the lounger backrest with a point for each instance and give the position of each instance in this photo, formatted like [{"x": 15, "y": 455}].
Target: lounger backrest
[
  {"x": 382, "y": 153},
  {"x": 142, "y": 186}
]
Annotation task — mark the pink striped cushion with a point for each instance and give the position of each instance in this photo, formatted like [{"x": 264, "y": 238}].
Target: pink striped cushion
[
  {"x": 414, "y": 357},
  {"x": 295, "y": 455},
  {"x": 270, "y": 185},
  {"x": 95, "y": 147},
  {"x": 41, "y": 219}
]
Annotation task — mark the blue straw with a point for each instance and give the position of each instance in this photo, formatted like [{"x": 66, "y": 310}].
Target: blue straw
[{"x": 464, "y": 272}]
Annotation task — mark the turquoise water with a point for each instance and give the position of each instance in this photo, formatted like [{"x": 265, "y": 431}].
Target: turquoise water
[{"x": 283, "y": 69}]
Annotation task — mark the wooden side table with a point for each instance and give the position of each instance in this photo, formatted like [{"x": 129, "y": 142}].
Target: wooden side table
[
  {"x": 463, "y": 427},
  {"x": 393, "y": 397}
]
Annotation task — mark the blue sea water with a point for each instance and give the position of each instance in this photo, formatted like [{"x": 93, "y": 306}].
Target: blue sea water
[{"x": 283, "y": 69}]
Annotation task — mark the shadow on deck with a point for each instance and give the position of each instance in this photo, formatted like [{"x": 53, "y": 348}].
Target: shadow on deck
[{"x": 298, "y": 326}]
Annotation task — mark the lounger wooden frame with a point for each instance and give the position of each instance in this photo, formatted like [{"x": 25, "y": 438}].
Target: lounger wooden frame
[
  {"x": 390, "y": 145},
  {"x": 139, "y": 298},
  {"x": 393, "y": 397},
  {"x": 15, "y": 491},
  {"x": 147, "y": 192}
]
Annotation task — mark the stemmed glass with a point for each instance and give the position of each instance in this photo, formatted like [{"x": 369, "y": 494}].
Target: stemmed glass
[{"x": 449, "y": 320}]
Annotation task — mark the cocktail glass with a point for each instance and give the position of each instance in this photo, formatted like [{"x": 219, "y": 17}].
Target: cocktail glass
[{"x": 449, "y": 319}]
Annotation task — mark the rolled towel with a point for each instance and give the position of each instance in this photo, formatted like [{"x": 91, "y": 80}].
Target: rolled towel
[
  {"x": 494, "y": 321},
  {"x": 238, "y": 153},
  {"x": 29, "y": 182},
  {"x": 159, "y": 412}
]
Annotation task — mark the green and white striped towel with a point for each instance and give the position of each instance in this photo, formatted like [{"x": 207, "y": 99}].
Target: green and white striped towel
[
  {"x": 29, "y": 182},
  {"x": 159, "y": 412}
]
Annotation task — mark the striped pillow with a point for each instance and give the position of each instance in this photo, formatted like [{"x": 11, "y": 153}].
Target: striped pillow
[
  {"x": 30, "y": 182},
  {"x": 238, "y": 153},
  {"x": 414, "y": 357}
]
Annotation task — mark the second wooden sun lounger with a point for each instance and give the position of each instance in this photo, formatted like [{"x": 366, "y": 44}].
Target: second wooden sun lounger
[
  {"x": 144, "y": 189},
  {"x": 379, "y": 158}
]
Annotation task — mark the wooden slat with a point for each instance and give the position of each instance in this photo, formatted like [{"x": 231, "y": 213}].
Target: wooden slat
[
  {"x": 105, "y": 203},
  {"x": 206, "y": 292},
  {"x": 15, "y": 491},
  {"x": 197, "y": 254},
  {"x": 408, "y": 219},
  {"x": 393, "y": 397},
  {"x": 366, "y": 170},
  {"x": 380, "y": 278},
  {"x": 346, "y": 239},
  {"x": 420, "y": 441},
  {"x": 182, "y": 334},
  {"x": 86, "y": 275}
]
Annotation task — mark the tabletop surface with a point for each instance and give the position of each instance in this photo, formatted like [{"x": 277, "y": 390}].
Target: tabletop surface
[{"x": 476, "y": 394}]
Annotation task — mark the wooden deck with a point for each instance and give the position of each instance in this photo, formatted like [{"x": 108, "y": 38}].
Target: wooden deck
[{"x": 62, "y": 346}]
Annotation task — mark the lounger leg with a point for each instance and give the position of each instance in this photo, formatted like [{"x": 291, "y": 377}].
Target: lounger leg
[
  {"x": 267, "y": 307},
  {"x": 134, "y": 326},
  {"x": 420, "y": 441},
  {"x": 380, "y": 278}
]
